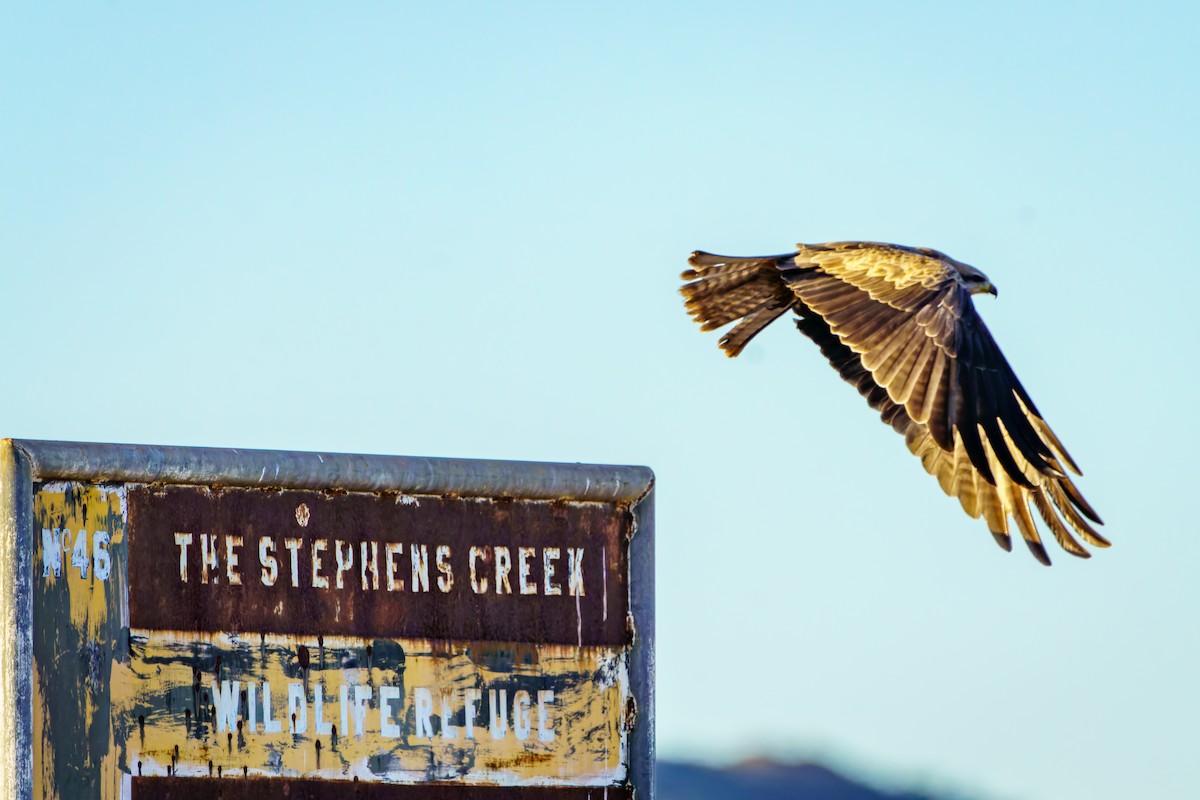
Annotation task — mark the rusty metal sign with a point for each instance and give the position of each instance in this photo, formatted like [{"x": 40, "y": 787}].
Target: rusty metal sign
[{"x": 195, "y": 623}]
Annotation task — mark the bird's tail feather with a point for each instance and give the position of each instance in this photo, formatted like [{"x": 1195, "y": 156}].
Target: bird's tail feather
[{"x": 724, "y": 289}]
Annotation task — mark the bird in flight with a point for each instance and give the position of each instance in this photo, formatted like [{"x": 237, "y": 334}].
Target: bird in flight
[{"x": 898, "y": 323}]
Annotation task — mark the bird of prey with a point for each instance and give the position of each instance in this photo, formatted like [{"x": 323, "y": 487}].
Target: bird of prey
[{"x": 899, "y": 324}]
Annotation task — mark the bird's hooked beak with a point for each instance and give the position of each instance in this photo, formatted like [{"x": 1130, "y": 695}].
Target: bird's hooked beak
[{"x": 983, "y": 287}]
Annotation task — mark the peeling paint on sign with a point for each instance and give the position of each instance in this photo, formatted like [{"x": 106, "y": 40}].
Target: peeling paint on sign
[{"x": 399, "y": 710}]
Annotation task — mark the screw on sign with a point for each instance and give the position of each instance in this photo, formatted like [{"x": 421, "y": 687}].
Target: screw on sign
[{"x": 411, "y": 627}]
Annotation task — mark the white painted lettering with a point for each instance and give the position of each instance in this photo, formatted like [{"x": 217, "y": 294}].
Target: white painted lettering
[
  {"x": 575, "y": 571},
  {"x": 269, "y": 725},
  {"x": 549, "y": 556},
  {"x": 498, "y": 712},
  {"x": 208, "y": 557},
  {"x": 523, "y": 556},
  {"x": 231, "y": 560},
  {"x": 319, "y": 581},
  {"x": 478, "y": 584},
  {"x": 371, "y": 566},
  {"x": 545, "y": 731},
  {"x": 344, "y": 561},
  {"x": 79, "y": 554},
  {"x": 521, "y": 717},
  {"x": 344, "y": 702},
  {"x": 502, "y": 569},
  {"x": 362, "y": 697},
  {"x": 446, "y": 578},
  {"x": 388, "y": 695},
  {"x": 270, "y": 565},
  {"x": 297, "y": 708},
  {"x": 420, "y": 567},
  {"x": 102, "y": 563},
  {"x": 184, "y": 540},
  {"x": 392, "y": 551},
  {"x": 252, "y": 707},
  {"x": 293, "y": 545},
  {"x": 503, "y": 566},
  {"x": 422, "y": 711},
  {"x": 225, "y": 699},
  {"x": 470, "y": 698},
  {"x": 52, "y": 554},
  {"x": 323, "y": 728},
  {"x": 448, "y": 730}
]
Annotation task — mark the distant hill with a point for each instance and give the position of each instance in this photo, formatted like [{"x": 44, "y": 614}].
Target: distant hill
[{"x": 765, "y": 780}]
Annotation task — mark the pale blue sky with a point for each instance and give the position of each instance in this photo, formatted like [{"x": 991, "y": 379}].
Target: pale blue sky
[{"x": 456, "y": 231}]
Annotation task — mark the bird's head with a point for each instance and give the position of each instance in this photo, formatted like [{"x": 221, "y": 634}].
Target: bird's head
[{"x": 975, "y": 281}]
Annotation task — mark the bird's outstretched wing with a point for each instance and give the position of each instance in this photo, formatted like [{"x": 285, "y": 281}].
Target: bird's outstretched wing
[{"x": 898, "y": 323}]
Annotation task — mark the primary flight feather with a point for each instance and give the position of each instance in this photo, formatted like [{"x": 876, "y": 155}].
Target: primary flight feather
[{"x": 898, "y": 323}]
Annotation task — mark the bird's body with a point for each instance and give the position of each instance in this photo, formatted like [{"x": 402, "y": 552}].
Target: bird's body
[{"x": 899, "y": 324}]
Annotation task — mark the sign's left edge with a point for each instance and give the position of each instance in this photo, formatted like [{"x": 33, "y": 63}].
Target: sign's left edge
[{"x": 16, "y": 622}]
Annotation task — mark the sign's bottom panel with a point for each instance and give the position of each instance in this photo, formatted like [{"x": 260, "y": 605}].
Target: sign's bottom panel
[
  {"x": 189, "y": 706},
  {"x": 162, "y": 788}
]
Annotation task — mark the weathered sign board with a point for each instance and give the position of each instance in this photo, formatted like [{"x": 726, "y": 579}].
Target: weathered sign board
[{"x": 202, "y": 623}]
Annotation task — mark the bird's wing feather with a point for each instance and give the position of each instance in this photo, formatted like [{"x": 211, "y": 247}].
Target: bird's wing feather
[{"x": 897, "y": 276}]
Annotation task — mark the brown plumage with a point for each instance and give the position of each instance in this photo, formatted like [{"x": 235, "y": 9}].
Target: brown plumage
[{"x": 898, "y": 324}]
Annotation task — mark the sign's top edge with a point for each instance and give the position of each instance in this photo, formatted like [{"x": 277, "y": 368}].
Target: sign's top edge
[{"x": 138, "y": 463}]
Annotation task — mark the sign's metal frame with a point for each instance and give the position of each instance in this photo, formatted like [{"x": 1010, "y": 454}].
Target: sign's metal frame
[{"x": 24, "y": 462}]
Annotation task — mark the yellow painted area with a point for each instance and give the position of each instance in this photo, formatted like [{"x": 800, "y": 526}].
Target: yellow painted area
[
  {"x": 74, "y": 514},
  {"x": 584, "y": 738},
  {"x": 76, "y": 618}
]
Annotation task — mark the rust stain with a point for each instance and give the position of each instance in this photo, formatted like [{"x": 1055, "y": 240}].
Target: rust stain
[{"x": 522, "y": 760}]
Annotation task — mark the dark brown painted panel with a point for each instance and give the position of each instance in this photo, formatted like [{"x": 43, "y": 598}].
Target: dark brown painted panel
[
  {"x": 161, "y": 788},
  {"x": 328, "y": 564}
]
